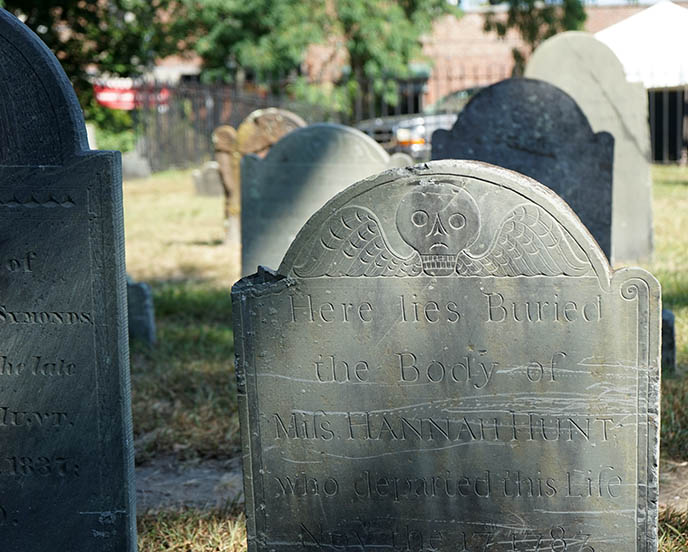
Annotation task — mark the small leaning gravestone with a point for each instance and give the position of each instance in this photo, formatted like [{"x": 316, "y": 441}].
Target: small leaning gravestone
[
  {"x": 141, "y": 312},
  {"x": 66, "y": 471},
  {"x": 445, "y": 361},
  {"x": 535, "y": 128},
  {"x": 299, "y": 174}
]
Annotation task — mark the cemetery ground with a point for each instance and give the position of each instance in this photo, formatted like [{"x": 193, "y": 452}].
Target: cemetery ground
[{"x": 186, "y": 423}]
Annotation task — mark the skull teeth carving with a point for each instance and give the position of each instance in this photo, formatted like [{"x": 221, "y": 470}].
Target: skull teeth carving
[{"x": 438, "y": 221}]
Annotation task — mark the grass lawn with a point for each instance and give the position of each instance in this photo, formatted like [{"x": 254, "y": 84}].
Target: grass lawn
[{"x": 184, "y": 393}]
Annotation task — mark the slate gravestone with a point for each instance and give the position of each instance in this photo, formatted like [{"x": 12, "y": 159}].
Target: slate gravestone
[
  {"x": 538, "y": 130},
  {"x": 207, "y": 180},
  {"x": 668, "y": 342},
  {"x": 299, "y": 174},
  {"x": 66, "y": 471},
  {"x": 595, "y": 79},
  {"x": 141, "y": 312},
  {"x": 445, "y": 361}
]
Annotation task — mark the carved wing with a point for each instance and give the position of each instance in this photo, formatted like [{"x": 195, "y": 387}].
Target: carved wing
[
  {"x": 529, "y": 243},
  {"x": 351, "y": 243}
]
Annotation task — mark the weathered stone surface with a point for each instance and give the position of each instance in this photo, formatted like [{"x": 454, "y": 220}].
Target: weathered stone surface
[
  {"x": 228, "y": 156},
  {"x": 207, "y": 180},
  {"x": 264, "y": 128},
  {"x": 668, "y": 342},
  {"x": 301, "y": 172},
  {"x": 595, "y": 79},
  {"x": 538, "y": 130},
  {"x": 141, "y": 312},
  {"x": 445, "y": 361},
  {"x": 66, "y": 471}
]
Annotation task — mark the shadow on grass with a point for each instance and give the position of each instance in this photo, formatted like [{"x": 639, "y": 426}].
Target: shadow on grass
[
  {"x": 675, "y": 296},
  {"x": 210, "y": 243},
  {"x": 184, "y": 389}
]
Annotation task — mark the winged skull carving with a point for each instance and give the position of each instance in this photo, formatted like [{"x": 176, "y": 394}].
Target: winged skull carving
[{"x": 440, "y": 222}]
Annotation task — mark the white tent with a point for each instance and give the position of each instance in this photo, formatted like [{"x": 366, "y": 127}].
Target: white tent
[{"x": 652, "y": 45}]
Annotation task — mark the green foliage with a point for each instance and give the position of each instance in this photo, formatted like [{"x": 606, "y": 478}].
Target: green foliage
[
  {"x": 535, "y": 21},
  {"x": 269, "y": 38},
  {"x": 265, "y": 37},
  {"x": 114, "y": 127},
  {"x": 117, "y": 37}
]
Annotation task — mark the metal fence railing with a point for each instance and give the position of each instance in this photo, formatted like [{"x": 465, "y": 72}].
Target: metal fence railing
[
  {"x": 175, "y": 123},
  {"x": 669, "y": 124}
]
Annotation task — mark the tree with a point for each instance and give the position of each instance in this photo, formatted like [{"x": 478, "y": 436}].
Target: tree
[
  {"x": 265, "y": 38},
  {"x": 535, "y": 21},
  {"x": 382, "y": 37},
  {"x": 114, "y": 38}
]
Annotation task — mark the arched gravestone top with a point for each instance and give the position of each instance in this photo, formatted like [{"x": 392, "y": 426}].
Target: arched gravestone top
[
  {"x": 40, "y": 117},
  {"x": 535, "y": 128},
  {"x": 265, "y": 127},
  {"x": 445, "y": 361},
  {"x": 66, "y": 474},
  {"x": 595, "y": 79},
  {"x": 225, "y": 139},
  {"x": 299, "y": 174},
  {"x": 476, "y": 237}
]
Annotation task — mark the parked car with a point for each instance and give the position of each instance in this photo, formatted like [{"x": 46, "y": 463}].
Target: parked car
[{"x": 412, "y": 133}]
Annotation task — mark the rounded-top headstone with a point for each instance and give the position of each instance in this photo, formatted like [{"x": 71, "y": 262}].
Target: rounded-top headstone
[
  {"x": 225, "y": 139},
  {"x": 265, "y": 127},
  {"x": 446, "y": 361},
  {"x": 40, "y": 117},
  {"x": 589, "y": 71},
  {"x": 299, "y": 174},
  {"x": 535, "y": 128},
  {"x": 67, "y": 469}
]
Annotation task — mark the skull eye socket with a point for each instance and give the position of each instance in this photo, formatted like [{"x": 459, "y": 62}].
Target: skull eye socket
[
  {"x": 419, "y": 218},
  {"x": 457, "y": 221}
]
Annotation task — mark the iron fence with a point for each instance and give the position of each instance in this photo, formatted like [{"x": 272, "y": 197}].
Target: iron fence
[
  {"x": 175, "y": 123},
  {"x": 669, "y": 124}
]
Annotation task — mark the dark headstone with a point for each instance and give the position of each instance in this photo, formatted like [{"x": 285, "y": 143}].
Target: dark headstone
[
  {"x": 446, "y": 361},
  {"x": 141, "y": 312},
  {"x": 668, "y": 342},
  {"x": 538, "y": 130},
  {"x": 66, "y": 471}
]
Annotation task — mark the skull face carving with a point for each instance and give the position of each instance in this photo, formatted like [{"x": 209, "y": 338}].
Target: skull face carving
[{"x": 438, "y": 221}]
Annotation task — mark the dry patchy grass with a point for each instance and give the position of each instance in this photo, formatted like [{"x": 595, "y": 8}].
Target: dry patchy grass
[
  {"x": 670, "y": 265},
  {"x": 673, "y": 531},
  {"x": 184, "y": 391},
  {"x": 222, "y": 531},
  {"x": 173, "y": 234},
  {"x": 192, "y": 531},
  {"x": 670, "y": 262}
]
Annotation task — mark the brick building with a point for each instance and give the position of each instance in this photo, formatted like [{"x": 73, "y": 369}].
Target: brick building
[{"x": 459, "y": 54}]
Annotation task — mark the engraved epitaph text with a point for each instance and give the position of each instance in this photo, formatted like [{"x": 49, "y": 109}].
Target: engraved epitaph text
[
  {"x": 445, "y": 361},
  {"x": 66, "y": 470}
]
